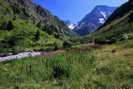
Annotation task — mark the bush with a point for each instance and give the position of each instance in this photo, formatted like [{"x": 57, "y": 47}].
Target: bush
[
  {"x": 7, "y": 26},
  {"x": 57, "y": 45},
  {"x": 37, "y": 35},
  {"x": 61, "y": 68},
  {"x": 67, "y": 44}
]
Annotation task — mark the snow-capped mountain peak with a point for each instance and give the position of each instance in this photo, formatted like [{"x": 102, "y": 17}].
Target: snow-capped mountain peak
[
  {"x": 71, "y": 26},
  {"x": 93, "y": 20}
]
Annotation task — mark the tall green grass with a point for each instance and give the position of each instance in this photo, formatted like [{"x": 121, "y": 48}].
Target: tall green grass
[{"x": 94, "y": 69}]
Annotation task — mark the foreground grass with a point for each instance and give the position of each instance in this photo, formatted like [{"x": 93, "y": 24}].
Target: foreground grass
[{"x": 108, "y": 67}]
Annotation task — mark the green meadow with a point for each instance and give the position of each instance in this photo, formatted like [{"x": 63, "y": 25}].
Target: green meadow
[{"x": 106, "y": 67}]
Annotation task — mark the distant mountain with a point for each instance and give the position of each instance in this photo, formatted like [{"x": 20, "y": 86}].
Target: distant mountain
[
  {"x": 94, "y": 20},
  {"x": 70, "y": 25}
]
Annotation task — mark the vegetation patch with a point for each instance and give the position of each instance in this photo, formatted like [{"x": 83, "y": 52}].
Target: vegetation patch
[{"x": 96, "y": 69}]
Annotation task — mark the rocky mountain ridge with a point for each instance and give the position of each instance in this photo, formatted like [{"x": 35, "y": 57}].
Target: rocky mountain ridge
[{"x": 94, "y": 20}]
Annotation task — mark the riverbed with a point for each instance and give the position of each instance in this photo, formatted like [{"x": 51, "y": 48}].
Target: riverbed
[{"x": 20, "y": 55}]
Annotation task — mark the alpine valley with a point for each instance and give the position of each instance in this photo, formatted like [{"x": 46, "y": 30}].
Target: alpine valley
[{"x": 102, "y": 59}]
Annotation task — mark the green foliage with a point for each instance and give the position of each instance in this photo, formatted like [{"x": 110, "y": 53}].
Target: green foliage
[
  {"x": 24, "y": 36},
  {"x": 60, "y": 67},
  {"x": 66, "y": 71},
  {"x": 7, "y": 26},
  {"x": 41, "y": 17},
  {"x": 25, "y": 26},
  {"x": 67, "y": 44},
  {"x": 37, "y": 35}
]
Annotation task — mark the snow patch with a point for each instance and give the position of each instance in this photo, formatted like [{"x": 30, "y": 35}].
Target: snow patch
[
  {"x": 101, "y": 20},
  {"x": 72, "y": 26},
  {"x": 104, "y": 14}
]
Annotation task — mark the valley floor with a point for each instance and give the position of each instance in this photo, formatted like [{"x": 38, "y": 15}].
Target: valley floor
[{"x": 105, "y": 67}]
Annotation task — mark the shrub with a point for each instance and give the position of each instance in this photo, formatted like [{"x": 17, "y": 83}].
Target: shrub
[
  {"x": 57, "y": 45},
  {"x": 67, "y": 44},
  {"x": 37, "y": 35},
  {"x": 7, "y": 26},
  {"x": 61, "y": 68}
]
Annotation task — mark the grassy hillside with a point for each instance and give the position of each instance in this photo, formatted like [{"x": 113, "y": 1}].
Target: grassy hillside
[
  {"x": 27, "y": 10},
  {"x": 25, "y": 26},
  {"x": 18, "y": 35},
  {"x": 111, "y": 68}
]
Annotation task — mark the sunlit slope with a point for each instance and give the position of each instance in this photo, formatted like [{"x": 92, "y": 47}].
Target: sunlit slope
[
  {"x": 26, "y": 9},
  {"x": 26, "y": 26},
  {"x": 20, "y": 35}
]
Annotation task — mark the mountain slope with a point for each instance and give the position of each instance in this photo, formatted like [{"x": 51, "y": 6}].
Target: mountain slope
[
  {"x": 27, "y": 26},
  {"x": 94, "y": 20},
  {"x": 25, "y": 9},
  {"x": 118, "y": 27}
]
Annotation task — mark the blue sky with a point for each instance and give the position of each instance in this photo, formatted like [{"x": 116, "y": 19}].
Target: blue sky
[{"x": 74, "y": 10}]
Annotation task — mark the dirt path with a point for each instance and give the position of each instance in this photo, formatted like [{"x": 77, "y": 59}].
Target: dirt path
[
  {"x": 52, "y": 52},
  {"x": 90, "y": 45}
]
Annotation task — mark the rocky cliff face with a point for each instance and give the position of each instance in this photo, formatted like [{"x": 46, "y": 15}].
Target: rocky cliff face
[{"x": 94, "y": 20}]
